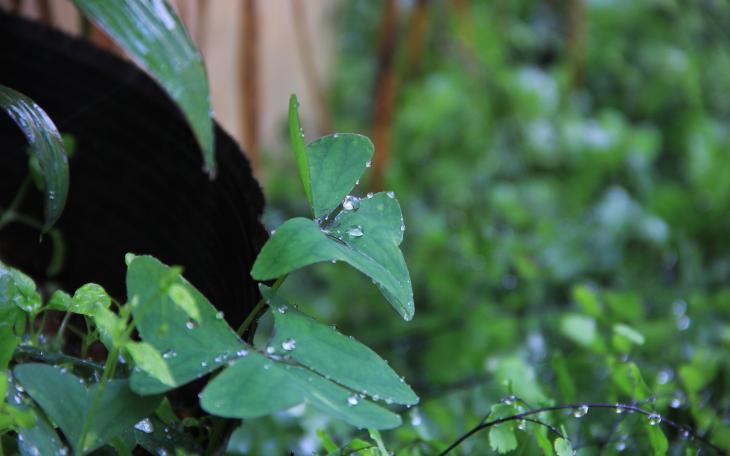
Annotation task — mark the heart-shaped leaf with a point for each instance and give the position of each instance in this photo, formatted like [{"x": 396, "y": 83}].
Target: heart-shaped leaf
[
  {"x": 47, "y": 147},
  {"x": 190, "y": 348},
  {"x": 66, "y": 400},
  {"x": 255, "y": 385},
  {"x": 155, "y": 38},
  {"x": 333, "y": 355},
  {"x": 367, "y": 238}
]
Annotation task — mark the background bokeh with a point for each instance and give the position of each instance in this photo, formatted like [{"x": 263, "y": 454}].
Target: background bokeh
[{"x": 563, "y": 169}]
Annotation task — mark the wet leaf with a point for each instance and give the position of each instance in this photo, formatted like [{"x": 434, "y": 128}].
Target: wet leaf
[
  {"x": 155, "y": 38},
  {"x": 367, "y": 239},
  {"x": 47, "y": 147}
]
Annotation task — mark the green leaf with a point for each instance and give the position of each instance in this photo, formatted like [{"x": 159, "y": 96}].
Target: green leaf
[
  {"x": 502, "y": 436},
  {"x": 657, "y": 439},
  {"x": 541, "y": 437},
  {"x": 366, "y": 238},
  {"x": 47, "y": 147},
  {"x": 155, "y": 38},
  {"x": 150, "y": 361},
  {"x": 580, "y": 329},
  {"x": 190, "y": 348},
  {"x": 255, "y": 386},
  {"x": 19, "y": 290},
  {"x": 336, "y": 162},
  {"x": 296, "y": 134},
  {"x": 111, "y": 327},
  {"x": 40, "y": 439},
  {"x": 66, "y": 400},
  {"x": 60, "y": 300},
  {"x": 185, "y": 301},
  {"x": 88, "y": 298},
  {"x": 333, "y": 355},
  {"x": 375, "y": 435},
  {"x": 563, "y": 447}
]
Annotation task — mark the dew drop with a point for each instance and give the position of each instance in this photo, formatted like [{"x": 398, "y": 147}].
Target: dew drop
[
  {"x": 352, "y": 400},
  {"x": 676, "y": 402},
  {"x": 369, "y": 195},
  {"x": 219, "y": 315},
  {"x": 241, "y": 353},
  {"x": 402, "y": 228},
  {"x": 619, "y": 409},
  {"x": 273, "y": 232},
  {"x": 522, "y": 425},
  {"x": 391, "y": 195},
  {"x": 388, "y": 400},
  {"x": 580, "y": 411},
  {"x": 334, "y": 262},
  {"x": 145, "y": 426},
  {"x": 191, "y": 324},
  {"x": 351, "y": 203},
  {"x": 355, "y": 231},
  {"x": 336, "y": 135},
  {"x": 167, "y": 354},
  {"x": 654, "y": 419},
  {"x": 203, "y": 364},
  {"x": 509, "y": 400},
  {"x": 620, "y": 445},
  {"x": 281, "y": 309},
  {"x": 369, "y": 164},
  {"x": 270, "y": 350},
  {"x": 684, "y": 434},
  {"x": 289, "y": 344}
]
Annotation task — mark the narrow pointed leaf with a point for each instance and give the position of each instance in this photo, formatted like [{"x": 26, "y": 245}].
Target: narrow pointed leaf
[
  {"x": 191, "y": 348},
  {"x": 296, "y": 136},
  {"x": 367, "y": 239},
  {"x": 47, "y": 147},
  {"x": 66, "y": 401},
  {"x": 155, "y": 38},
  {"x": 333, "y": 355},
  {"x": 336, "y": 162}
]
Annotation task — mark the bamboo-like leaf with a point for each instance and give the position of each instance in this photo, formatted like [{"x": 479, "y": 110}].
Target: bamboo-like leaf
[
  {"x": 153, "y": 35},
  {"x": 47, "y": 146}
]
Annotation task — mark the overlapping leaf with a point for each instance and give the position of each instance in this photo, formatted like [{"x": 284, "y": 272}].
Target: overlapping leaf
[
  {"x": 367, "y": 238},
  {"x": 47, "y": 147},
  {"x": 66, "y": 400},
  {"x": 155, "y": 38},
  {"x": 190, "y": 348}
]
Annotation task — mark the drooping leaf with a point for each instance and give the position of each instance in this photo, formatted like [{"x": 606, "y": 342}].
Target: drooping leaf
[
  {"x": 254, "y": 386},
  {"x": 366, "y": 238},
  {"x": 296, "y": 135},
  {"x": 151, "y": 362},
  {"x": 47, "y": 147},
  {"x": 657, "y": 439},
  {"x": 190, "y": 348},
  {"x": 66, "y": 400},
  {"x": 333, "y": 355},
  {"x": 154, "y": 37},
  {"x": 336, "y": 162}
]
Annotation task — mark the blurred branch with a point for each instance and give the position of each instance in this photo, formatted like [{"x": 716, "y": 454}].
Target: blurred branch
[
  {"x": 248, "y": 74},
  {"x": 385, "y": 91},
  {"x": 45, "y": 13},
  {"x": 304, "y": 43},
  {"x": 576, "y": 42},
  {"x": 416, "y": 35}
]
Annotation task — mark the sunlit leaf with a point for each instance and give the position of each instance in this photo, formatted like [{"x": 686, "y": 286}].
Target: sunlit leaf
[
  {"x": 155, "y": 38},
  {"x": 47, "y": 147},
  {"x": 296, "y": 135}
]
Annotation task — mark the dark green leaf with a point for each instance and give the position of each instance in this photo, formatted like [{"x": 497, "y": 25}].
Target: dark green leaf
[
  {"x": 190, "y": 348},
  {"x": 40, "y": 439},
  {"x": 66, "y": 400},
  {"x": 657, "y": 439},
  {"x": 336, "y": 162},
  {"x": 333, "y": 355},
  {"x": 366, "y": 238},
  {"x": 47, "y": 147},
  {"x": 155, "y": 38},
  {"x": 254, "y": 386}
]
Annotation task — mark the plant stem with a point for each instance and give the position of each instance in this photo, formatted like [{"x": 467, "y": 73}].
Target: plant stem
[
  {"x": 257, "y": 309},
  {"x": 627, "y": 407},
  {"x": 9, "y": 215},
  {"x": 109, "y": 367}
]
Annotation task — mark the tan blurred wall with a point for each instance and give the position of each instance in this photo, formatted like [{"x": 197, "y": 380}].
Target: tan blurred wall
[{"x": 279, "y": 69}]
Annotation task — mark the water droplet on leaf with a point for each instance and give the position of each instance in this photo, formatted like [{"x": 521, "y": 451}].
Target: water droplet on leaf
[
  {"x": 191, "y": 324},
  {"x": 352, "y": 400},
  {"x": 145, "y": 426},
  {"x": 581, "y": 411},
  {"x": 350, "y": 203},
  {"x": 654, "y": 419},
  {"x": 355, "y": 231},
  {"x": 289, "y": 344}
]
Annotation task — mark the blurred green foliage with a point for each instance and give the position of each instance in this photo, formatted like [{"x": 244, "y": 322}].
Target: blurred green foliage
[{"x": 567, "y": 201}]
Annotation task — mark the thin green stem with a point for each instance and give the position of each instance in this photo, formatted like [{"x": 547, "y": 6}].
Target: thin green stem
[
  {"x": 258, "y": 308},
  {"x": 58, "y": 340},
  {"x": 109, "y": 367},
  {"x": 10, "y": 214}
]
